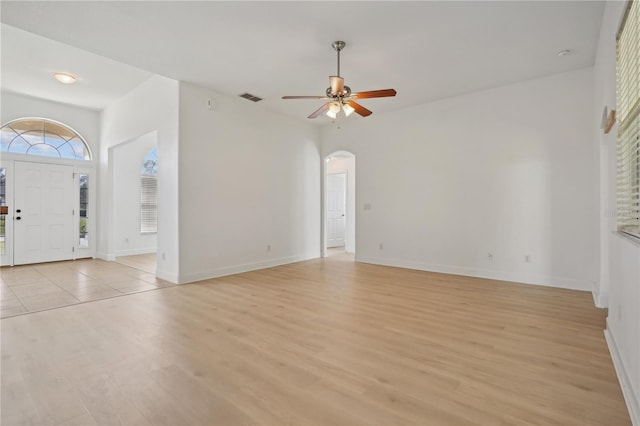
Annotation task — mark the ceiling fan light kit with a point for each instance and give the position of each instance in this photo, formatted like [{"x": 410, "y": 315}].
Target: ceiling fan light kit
[
  {"x": 348, "y": 109},
  {"x": 340, "y": 96}
]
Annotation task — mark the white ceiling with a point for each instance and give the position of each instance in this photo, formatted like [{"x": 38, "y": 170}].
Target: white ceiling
[
  {"x": 425, "y": 50},
  {"x": 29, "y": 61}
]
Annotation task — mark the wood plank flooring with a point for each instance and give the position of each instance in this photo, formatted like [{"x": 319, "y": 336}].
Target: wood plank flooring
[{"x": 322, "y": 342}]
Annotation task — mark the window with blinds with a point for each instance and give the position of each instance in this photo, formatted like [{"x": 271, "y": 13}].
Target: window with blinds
[
  {"x": 149, "y": 193},
  {"x": 628, "y": 115}
]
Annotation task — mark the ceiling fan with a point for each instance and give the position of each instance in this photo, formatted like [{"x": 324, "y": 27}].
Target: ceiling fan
[{"x": 341, "y": 97}]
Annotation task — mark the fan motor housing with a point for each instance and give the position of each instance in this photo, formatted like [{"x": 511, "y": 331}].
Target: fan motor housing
[
  {"x": 338, "y": 45},
  {"x": 345, "y": 92}
]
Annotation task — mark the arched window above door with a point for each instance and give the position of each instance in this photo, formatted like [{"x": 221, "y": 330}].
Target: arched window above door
[{"x": 42, "y": 137}]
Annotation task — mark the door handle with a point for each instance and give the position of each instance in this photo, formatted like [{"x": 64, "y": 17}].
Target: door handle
[
  {"x": 18, "y": 211},
  {"x": 18, "y": 218}
]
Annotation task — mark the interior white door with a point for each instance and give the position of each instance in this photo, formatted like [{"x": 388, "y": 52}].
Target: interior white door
[
  {"x": 336, "y": 209},
  {"x": 43, "y": 213}
]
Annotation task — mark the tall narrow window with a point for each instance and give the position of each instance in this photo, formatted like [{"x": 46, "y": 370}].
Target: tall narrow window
[
  {"x": 628, "y": 114},
  {"x": 84, "y": 208},
  {"x": 149, "y": 193}
]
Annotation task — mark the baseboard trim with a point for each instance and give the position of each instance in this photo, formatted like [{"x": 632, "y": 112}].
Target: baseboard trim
[
  {"x": 106, "y": 256},
  {"x": 630, "y": 397},
  {"x": 245, "y": 267},
  {"x": 566, "y": 283},
  {"x": 167, "y": 276},
  {"x": 600, "y": 300}
]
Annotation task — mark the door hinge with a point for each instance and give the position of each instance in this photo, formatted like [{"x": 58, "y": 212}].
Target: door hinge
[
  {"x": 73, "y": 175},
  {"x": 73, "y": 249},
  {"x": 73, "y": 212}
]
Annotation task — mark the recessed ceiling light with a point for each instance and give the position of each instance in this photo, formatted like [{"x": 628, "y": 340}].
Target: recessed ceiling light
[
  {"x": 563, "y": 52},
  {"x": 64, "y": 77}
]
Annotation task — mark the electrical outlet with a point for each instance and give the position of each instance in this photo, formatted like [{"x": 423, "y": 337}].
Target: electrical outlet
[
  {"x": 490, "y": 256},
  {"x": 381, "y": 246},
  {"x": 268, "y": 247},
  {"x": 619, "y": 313},
  {"x": 527, "y": 259}
]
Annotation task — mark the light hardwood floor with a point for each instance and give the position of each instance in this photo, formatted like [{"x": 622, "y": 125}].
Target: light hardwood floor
[{"x": 323, "y": 342}]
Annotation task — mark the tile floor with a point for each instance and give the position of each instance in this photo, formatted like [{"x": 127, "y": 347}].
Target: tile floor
[
  {"x": 31, "y": 288},
  {"x": 144, "y": 262}
]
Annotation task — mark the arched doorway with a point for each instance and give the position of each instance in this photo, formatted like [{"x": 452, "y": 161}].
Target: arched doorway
[
  {"x": 339, "y": 211},
  {"x": 133, "y": 176}
]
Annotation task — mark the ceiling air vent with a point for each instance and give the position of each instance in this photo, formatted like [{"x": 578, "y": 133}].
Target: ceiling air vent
[{"x": 250, "y": 97}]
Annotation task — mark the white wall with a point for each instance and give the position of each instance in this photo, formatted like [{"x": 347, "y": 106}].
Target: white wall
[
  {"x": 127, "y": 163},
  {"x": 623, "y": 321},
  {"x": 84, "y": 121},
  {"x": 249, "y": 179},
  {"x": 619, "y": 285},
  {"x": 507, "y": 171},
  {"x": 347, "y": 165},
  {"x": 151, "y": 107}
]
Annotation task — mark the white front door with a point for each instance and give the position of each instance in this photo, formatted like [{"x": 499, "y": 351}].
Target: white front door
[
  {"x": 43, "y": 213},
  {"x": 336, "y": 202}
]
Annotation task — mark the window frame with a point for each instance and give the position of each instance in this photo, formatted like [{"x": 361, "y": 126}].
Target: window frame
[
  {"x": 56, "y": 123},
  {"x": 628, "y": 117}
]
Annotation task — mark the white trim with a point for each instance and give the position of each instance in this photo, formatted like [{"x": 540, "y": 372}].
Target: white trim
[
  {"x": 626, "y": 384},
  {"x": 600, "y": 299},
  {"x": 167, "y": 276},
  {"x": 245, "y": 267},
  {"x": 106, "y": 256},
  {"x": 559, "y": 282},
  {"x": 12, "y": 156},
  {"x": 628, "y": 238}
]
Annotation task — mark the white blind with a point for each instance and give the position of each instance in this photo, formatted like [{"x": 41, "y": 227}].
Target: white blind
[
  {"x": 148, "y": 204},
  {"x": 628, "y": 115}
]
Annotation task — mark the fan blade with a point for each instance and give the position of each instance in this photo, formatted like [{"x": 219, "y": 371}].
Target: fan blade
[
  {"x": 322, "y": 110},
  {"x": 337, "y": 84},
  {"x": 374, "y": 94},
  {"x": 359, "y": 109},
  {"x": 304, "y": 97}
]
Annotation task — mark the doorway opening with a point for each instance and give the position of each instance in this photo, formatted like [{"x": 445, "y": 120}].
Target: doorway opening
[
  {"x": 339, "y": 236},
  {"x": 134, "y": 179}
]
